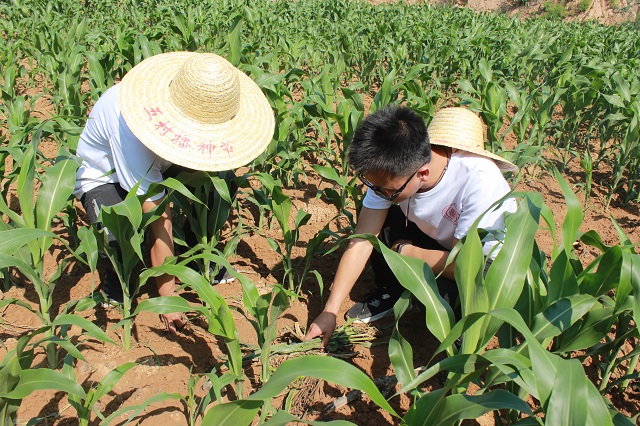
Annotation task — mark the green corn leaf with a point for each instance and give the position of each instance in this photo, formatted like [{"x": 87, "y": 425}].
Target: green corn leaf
[
  {"x": 282, "y": 418},
  {"x": 110, "y": 380},
  {"x": 461, "y": 364},
  {"x": 236, "y": 413},
  {"x": 560, "y": 315},
  {"x": 235, "y": 42},
  {"x": 92, "y": 329},
  {"x": 506, "y": 276},
  {"x": 14, "y": 239},
  {"x": 607, "y": 277},
  {"x": 330, "y": 369},
  {"x": 137, "y": 409},
  {"x": 43, "y": 379},
  {"x": 26, "y": 186},
  {"x": 426, "y": 409},
  {"x": 330, "y": 173},
  {"x": 587, "y": 332},
  {"x": 473, "y": 294},
  {"x": 563, "y": 279},
  {"x": 167, "y": 305},
  {"x": 574, "y": 217},
  {"x": 458, "y": 407},
  {"x": 88, "y": 246},
  {"x": 416, "y": 276},
  {"x": 58, "y": 183},
  {"x": 400, "y": 350}
]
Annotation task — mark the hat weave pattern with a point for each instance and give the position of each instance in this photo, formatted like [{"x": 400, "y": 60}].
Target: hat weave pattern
[
  {"x": 460, "y": 128},
  {"x": 196, "y": 110}
]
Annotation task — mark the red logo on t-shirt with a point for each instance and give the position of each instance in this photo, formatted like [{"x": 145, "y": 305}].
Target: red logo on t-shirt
[{"x": 451, "y": 213}]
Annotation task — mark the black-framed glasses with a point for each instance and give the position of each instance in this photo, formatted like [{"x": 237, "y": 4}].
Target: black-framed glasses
[{"x": 378, "y": 190}]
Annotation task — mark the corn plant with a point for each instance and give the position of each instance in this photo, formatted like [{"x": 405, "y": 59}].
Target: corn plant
[
  {"x": 243, "y": 411},
  {"x": 27, "y": 238},
  {"x": 205, "y": 219},
  {"x": 280, "y": 206},
  {"x": 215, "y": 309},
  {"x": 20, "y": 379},
  {"x": 565, "y": 308},
  {"x": 127, "y": 223}
]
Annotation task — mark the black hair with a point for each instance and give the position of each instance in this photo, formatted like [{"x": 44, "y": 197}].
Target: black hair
[{"x": 392, "y": 140}]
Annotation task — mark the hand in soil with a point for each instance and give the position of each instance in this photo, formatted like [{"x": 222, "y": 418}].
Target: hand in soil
[
  {"x": 323, "y": 326},
  {"x": 173, "y": 322}
]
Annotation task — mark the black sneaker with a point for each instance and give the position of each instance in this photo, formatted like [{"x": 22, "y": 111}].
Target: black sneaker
[
  {"x": 111, "y": 289},
  {"x": 377, "y": 305},
  {"x": 223, "y": 276}
]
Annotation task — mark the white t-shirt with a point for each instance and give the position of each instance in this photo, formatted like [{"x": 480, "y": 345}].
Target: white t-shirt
[
  {"x": 111, "y": 153},
  {"x": 446, "y": 212}
]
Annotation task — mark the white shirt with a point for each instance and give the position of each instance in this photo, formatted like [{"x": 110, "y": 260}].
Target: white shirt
[
  {"x": 446, "y": 212},
  {"x": 111, "y": 153}
]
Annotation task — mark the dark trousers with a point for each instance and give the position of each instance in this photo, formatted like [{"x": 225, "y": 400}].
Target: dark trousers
[
  {"x": 397, "y": 227},
  {"x": 108, "y": 194}
]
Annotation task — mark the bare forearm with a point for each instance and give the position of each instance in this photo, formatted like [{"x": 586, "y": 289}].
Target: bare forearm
[
  {"x": 351, "y": 266},
  {"x": 162, "y": 247}
]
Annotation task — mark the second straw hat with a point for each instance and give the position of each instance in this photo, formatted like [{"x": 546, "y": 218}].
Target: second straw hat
[
  {"x": 196, "y": 110},
  {"x": 461, "y": 129}
]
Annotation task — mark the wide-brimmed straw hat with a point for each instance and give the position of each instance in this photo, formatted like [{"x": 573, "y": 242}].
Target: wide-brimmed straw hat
[
  {"x": 196, "y": 110},
  {"x": 461, "y": 129}
]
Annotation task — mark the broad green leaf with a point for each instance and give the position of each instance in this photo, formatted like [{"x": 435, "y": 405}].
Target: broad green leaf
[
  {"x": 26, "y": 186},
  {"x": 236, "y": 413},
  {"x": 561, "y": 315},
  {"x": 606, "y": 278},
  {"x": 563, "y": 278},
  {"x": 588, "y": 332},
  {"x": 166, "y": 305},
  {"x": 459, "y": 407},
  {"x": 43, "y": 379},
  {"x": 58, "y": 183},
  {"x": 425, "y": 411},
  {"x": 14, "y": 239},
  {"x": 416, "y": 276},
  {"x": 473, "y": 294},
  {"x": 137, "y": 409},
  {"x": 400, "y": 350},
  {"x": 326, "y": 368},
  {"x": 574, "y": 216},
  {"x": 505, "y": 279},
  {"x": 282, "y": 418},
  {"x": 111, "y": 379},
  {"x": 92, "y": 329}
]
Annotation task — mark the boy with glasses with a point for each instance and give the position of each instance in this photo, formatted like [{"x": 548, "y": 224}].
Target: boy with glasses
[{"x": 426, "y": 188}]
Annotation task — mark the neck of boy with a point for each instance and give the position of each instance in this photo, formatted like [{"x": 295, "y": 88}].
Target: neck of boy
[{"x": 438, "y": 166}]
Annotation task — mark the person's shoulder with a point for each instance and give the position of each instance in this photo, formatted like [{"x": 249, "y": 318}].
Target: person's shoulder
[
  {"x": 475, "y": 163},
  {"x": 107, "y": 104}
]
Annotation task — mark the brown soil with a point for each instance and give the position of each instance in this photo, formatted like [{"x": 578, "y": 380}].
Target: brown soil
[
  {"x": 608, "y": 12},
  {"x": 165, "y": 362}
]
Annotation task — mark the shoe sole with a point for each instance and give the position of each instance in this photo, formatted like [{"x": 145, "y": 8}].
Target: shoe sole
[
  {"x": 224, "y": 281},
  {"x": 373, "y": 318}
]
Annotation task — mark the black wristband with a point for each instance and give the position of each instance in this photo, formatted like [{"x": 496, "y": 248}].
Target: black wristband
[{"x": 399, "y": 247}]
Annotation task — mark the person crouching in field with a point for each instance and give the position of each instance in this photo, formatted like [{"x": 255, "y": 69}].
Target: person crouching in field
[
  {"x": 179, "y": 109},
  {"x": 425, "y": 190}
]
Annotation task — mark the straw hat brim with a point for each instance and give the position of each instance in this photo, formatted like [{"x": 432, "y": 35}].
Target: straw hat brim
[
  {"x": 502, "y": 164},
  {"x": 147, "y": 108},
  {"x": 459, "y": 128}
]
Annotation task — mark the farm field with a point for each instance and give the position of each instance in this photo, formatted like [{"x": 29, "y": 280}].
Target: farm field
[{"x": 561, "y": 100}]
